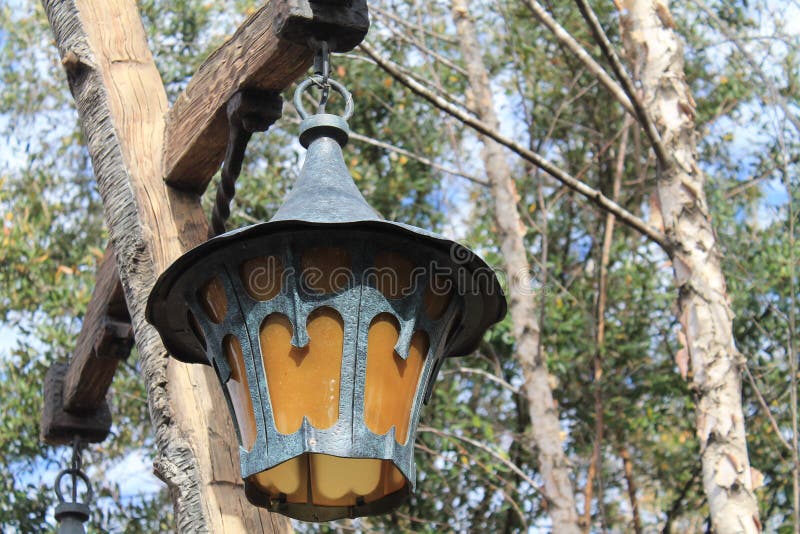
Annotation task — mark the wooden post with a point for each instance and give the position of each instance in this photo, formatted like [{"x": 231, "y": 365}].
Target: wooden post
[
  {"x": 122, "y": 107},
  {"x": 151, "y": 164}
]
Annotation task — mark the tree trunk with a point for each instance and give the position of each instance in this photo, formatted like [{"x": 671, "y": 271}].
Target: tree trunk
[
  {"x": 703, "y": 307},
  {"x": 545, "y": 428},
  {"x": 627, "y": 464},
  {"x": 121, "y": 105}
]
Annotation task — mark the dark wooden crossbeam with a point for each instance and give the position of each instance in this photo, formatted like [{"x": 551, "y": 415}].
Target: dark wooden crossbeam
[
  {"x": 105, "y": 339},
  {"x": 75, "y": 393},
  {"x": 268, "y": 52}
]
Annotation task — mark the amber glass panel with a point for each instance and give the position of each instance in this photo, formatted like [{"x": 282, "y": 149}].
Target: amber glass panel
[
  {"x": 341, "y": 481},
  {"x": 213, "y": 300},
  {"x": 334, "y": 481},
  {"x": 239, "y": 391},
  {"x": 303, "y": 382},
  {"x": 437, "y": 297},
  {"x": 326, "y": 270},
  {"x": 391, "y": 381},
  {"x": 392, "y": 275},
  {"x": 261, "y": 277},
  {"x": 289, "y": 478}
]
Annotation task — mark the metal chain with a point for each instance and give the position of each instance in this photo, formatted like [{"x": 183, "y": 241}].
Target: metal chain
[
  {"x": 77, "y": 466},
  {"x": 322, "y": 79},
  {"x": 322, "y": 73},
  {"x": 248, "y": 111},
  {"x": 75, "y": 473}
]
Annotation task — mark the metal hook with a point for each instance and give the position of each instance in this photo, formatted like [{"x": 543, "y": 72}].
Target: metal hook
[
  {"x": 71, "y": 514},
  {"x": 75, "y": 472},
  {"x": 322, "y": 72},
  {"x": 321, "y": 78}
]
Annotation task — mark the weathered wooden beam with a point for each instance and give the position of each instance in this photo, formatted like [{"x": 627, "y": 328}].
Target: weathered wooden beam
[
  {"x": 122, "y": 107},
  {"x": 268, "y": 52},
  {"x": 106, "y": 337}
]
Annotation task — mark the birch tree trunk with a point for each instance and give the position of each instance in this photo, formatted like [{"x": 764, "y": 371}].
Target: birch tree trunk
[
  {"x": 546, "y": 429},
  {"x": 703, "y": 307}
]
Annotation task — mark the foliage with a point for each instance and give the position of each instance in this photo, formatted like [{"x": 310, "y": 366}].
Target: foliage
[{"x": 476, "y": 469}]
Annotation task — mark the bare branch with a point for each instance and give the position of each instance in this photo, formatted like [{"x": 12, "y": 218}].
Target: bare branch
[
  {"x": 580, "y": 52},
  {"x": 627, "y": 463},
  {"x": 590, "y": 193},
  {"x": 421, "y": 159},
  {"x": 413, "y": 41},
  {"x": 489, "y": 376},
  {"x": 492, "y": 474},
  {"x": 409, "y": 154},
  {"x": 417, "y": 27},
  {"x": 765, "y": 407},
  {"x": 488, "y": 450},
  {"x": 616, "y": 65},
  {"x": 596, "y": 464}
]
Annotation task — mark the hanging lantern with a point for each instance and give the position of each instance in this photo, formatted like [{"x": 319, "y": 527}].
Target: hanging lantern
[{"x": 326, "y": 326}]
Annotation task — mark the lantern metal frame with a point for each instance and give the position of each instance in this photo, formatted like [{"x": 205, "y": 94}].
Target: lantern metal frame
[{"x": 325, "y": 208}]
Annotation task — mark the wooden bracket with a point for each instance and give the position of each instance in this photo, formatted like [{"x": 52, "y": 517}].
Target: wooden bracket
[
  {"x": 75, "y": 392},
  {"x": 58, "y": 426},
  {"x": 105, "y": 338},
  {"x": 341, "y": 22},
  {"x": 268, "y": 52}
]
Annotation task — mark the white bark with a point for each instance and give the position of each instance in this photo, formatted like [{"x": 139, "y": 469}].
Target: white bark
[
  {"x": 703, "y": 307},
  {"x": 545, "y": 427}
]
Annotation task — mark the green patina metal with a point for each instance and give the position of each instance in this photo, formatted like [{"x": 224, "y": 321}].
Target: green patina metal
[{"x": 325, "y": 208}]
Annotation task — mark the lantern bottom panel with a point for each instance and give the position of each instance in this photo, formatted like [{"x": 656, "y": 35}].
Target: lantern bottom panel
[{"x": 321, "y": 487}]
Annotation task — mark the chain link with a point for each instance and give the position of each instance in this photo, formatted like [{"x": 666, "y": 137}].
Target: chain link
[
  {"x": 322, "y": 73},
  {"x": 322, "y": 79},
  {"x": 75, "y": 473}
]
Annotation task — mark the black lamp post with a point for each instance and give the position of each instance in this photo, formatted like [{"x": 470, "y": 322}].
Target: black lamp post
[{"x": 326, "y": 326}]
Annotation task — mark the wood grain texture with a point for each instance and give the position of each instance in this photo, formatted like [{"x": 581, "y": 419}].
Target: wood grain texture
[
  {"x": 106, "y": 337},
  {"x": 122, "y": 107},
  {"x": 197, "y": 129}
]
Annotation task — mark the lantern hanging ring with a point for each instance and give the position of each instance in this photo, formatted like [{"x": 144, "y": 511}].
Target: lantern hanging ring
[
  {"x": 338, "y": 87},
  {"x": 321, "y": 78},
  {"x": 72, "y": 513}
]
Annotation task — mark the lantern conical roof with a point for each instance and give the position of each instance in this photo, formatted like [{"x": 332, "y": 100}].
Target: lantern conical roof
[
  {"x": 325, "y": 191},
  {"x": 325, "y": 196}
]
